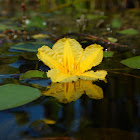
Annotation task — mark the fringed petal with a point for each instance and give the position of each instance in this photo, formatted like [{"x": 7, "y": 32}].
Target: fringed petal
[
  {"x": 75, "y": 48},
  {"x": 91, "y": 75},
  {"x": 58, "y": 76},
  {"x": 92, "y": 56},
  {"x": 92, "y": 90},
  {"x": 50, "y": 58}
]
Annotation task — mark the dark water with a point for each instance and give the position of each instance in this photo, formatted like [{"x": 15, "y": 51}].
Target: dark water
[{"x": 114, "y": 117}]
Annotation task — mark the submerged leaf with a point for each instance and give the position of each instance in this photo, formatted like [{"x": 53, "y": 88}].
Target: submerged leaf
[
  {"x": 13, "y": 95},
  {"x": 129, "y": 32},
  {"x": 133, "y": 62},
  {"x": 32, "y": 74}
]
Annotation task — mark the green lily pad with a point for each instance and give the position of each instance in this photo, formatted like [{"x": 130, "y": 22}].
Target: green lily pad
[
  {"x": 13, "y": 95},
  {"x": 128, "y": 32},
  {"x": 30, "y": 46},
  {"x": 3, "y": 27},
  {"x": 112, "y": 39},
  {"x": 40, "y": 36},
  {"x": 133, "y": 62},
  {"x": 108, "y": 54},
  {"x": 92, "y": 16},
  {"x": 32, "y": 74}
]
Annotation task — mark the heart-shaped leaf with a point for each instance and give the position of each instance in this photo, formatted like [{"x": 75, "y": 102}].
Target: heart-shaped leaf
[
  {"x": 13, "y": 95},
  {"x": 129, "y": 32},
  {"x": 33, "y": 74},
  {"x": 133, "y": 62}
]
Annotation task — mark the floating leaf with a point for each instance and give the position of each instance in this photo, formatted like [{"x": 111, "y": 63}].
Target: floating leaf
[
  {"x": 116, "y": 23},
  {"x": 133, "y": 62},
  {"x": 2, "y": 35},
  {"x": 108, "y": 54},
  {"x": 33, "y": 74},
  {"x": 112, "y": 39},
  {"x": 13, "y": 95},
  {"x": 36, "y": 21},
  {"x": 40, "y": 36},
  {"x": 129, "y": 32},
  {"x": 3, "y": 27},
  {"x": 93, "y": 16},
  {"x": 30, "y": 46}
]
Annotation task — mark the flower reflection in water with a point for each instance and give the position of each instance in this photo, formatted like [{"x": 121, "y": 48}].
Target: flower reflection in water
[{"x": 68, "y": 92}]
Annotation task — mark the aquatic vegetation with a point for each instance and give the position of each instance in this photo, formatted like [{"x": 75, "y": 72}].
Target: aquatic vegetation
[
  {"x": 69, "y": 61},
  {"x": 133, "y": 62},
  {"x": 13, "y": 95},
  {"x": 33, "y": 107}
]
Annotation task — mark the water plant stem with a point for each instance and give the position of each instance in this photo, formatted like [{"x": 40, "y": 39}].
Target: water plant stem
[
  {"x": 91, "y": 37},
  {"x": 23, "y": 7}
]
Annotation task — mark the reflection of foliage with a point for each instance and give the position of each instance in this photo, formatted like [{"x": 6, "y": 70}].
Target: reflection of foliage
[
  {"x": 108, "y": 133},
  {"x": 22, "y": 117},
  {"x": 68, "y": 92},
  {"x": 42, "y": 122},
  {"x": 39, "y": 126}
]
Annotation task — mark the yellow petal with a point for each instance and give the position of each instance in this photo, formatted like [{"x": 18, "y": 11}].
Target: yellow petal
[
  {"x": 64, "y": 92},
  {"x": 75, "y": 46},
  {"x": 91, "y": 75},
  {"x": 92, "y": 56},
  {"x": 68, "y": 56},
  {"x": 58, "y": 76},
  {"x": 92, "y": 90},
  {"x": 50, "y": 58}
]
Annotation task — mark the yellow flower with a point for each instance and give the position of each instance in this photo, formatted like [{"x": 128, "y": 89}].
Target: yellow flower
[
  {"x": 68, "y": 92},
  {"x": 69, "y": 61}
]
